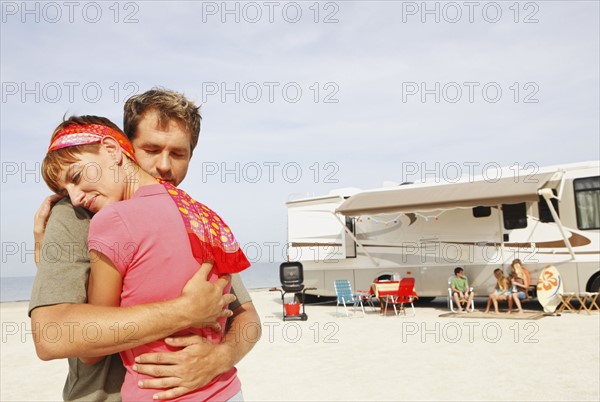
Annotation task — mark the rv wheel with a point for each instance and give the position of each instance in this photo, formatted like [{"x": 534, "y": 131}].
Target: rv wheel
[{"x": 595, "y": 286}]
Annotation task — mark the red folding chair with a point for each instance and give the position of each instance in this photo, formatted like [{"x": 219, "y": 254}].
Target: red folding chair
[{"x": 406, "y": 295}]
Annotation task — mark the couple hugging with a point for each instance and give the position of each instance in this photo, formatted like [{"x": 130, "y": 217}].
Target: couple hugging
[{"x": 150, "y": 272}]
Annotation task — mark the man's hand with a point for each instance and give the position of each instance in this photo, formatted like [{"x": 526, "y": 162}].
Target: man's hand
[
  {"x": 39, "y": 223},
  {"x": 204, "y": 302},
  {"x": 183, "y": 371}
]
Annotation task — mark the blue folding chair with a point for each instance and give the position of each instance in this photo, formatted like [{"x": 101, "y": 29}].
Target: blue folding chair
[{"x": 345, "y": 297}]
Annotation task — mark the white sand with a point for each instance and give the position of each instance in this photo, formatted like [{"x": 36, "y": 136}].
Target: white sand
[{"x": 331, "y": 357}]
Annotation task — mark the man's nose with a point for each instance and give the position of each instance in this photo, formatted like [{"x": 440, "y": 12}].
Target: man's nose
[{"x": 163, "y": 167}]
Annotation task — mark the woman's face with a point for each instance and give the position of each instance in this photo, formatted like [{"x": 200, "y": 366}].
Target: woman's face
[{"x": 95, "y": 180}]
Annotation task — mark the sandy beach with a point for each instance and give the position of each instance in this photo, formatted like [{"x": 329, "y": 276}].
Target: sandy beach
[{"x": 331, "y": 357}]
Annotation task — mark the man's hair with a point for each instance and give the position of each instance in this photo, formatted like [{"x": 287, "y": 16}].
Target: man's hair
[
  {"x": 55, "y": 161},
  {"x": 457, "y": 270},
  {"x": 169, "y": 105}
]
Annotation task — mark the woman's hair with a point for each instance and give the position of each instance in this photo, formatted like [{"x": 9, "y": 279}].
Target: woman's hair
[
  {"x": 56, "y": 160},
  {"x": 517, "y": 267},
  {"x": 169, "y": 106}
]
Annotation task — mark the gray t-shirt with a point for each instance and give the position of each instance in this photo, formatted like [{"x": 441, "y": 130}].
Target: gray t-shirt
[{"x": 62, "y": 277}]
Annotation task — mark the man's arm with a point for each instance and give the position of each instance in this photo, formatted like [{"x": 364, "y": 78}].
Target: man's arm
[
  {"x": 83, "y": 330},
  {"x": 65, "y": 327},
  {"x": 200, "y": 361}
]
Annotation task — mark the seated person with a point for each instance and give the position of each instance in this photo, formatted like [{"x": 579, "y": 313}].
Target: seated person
[
  {"x": 460, "y": 290},
  {"x": 519, "y": 287},
  {"x": 501, "y": 292}
]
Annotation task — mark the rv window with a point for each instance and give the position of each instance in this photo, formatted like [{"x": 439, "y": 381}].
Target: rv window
[
  {"x": 482, "y": 212},
  {"x": 544, "y": 212},
  {"x": 587, "y": 202},
  {"x": 515, "y": 216}
]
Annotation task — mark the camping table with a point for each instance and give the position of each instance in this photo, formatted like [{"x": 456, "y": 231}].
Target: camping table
[{"x": 383, "y": 290}]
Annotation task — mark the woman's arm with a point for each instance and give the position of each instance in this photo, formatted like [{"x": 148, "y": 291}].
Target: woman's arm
[
  {"x": 104, "y": 288},
  {"x": 520, "y": 285}
]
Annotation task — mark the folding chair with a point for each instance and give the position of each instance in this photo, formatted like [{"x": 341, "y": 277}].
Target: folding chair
[
  {"x": 367, "y": 296},
  {"x": 345, "y": 297},
  {"x": 591, "y": 298},
  {"x": 593, "y": 301},
  {"x": 565, "y": 299},
  {"x": 406, "y": 295},
  {"x": 451, "y": 299}
]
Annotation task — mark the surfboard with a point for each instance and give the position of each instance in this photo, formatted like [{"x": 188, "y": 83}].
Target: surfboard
[{"x": 549, "y": 285}]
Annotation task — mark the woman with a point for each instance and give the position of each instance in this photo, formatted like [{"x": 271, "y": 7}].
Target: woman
[
  {"x": 519, "y": 287},
  {"x": 501, "y": 292},
  {"x": 144, "y": 248}
]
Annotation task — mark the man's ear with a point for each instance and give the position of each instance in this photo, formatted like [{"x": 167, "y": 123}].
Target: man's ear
[{"x": 113, "y": 148}]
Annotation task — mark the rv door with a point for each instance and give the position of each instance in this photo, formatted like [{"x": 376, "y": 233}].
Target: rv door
[
  {"x": 314, "y": 233},
  {"x": 349, "y": 243}
]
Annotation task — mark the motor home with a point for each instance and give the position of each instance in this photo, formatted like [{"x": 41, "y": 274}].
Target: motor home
[{"x": 424, "y": 230}]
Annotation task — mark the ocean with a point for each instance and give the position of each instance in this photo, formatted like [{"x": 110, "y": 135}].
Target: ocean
[{"x": 259, "y": 275}]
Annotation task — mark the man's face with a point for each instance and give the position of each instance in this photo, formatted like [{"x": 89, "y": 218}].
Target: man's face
[{"x": 163, "y": 152}]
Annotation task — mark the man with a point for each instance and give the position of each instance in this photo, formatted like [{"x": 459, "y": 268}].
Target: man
[{"x": 163, "y": 127}]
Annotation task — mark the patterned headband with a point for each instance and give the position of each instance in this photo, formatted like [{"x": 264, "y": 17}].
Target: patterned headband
[{"x": 89, "y": 134}]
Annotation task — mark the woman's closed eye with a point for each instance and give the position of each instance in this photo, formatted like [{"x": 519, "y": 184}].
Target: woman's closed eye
[{"x": 76, "y": 177}]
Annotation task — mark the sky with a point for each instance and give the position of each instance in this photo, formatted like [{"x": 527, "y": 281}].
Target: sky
[{"x": 301, "y": 98}]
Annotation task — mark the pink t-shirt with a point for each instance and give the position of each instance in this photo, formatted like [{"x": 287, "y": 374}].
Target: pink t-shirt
[{"x": 146, "y": 240}]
